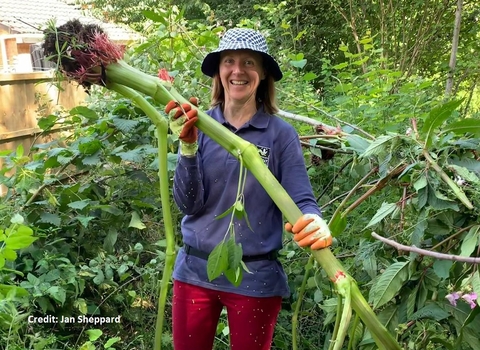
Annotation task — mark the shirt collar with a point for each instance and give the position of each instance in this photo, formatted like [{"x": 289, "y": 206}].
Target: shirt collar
[{"x": 259, "y": 120}]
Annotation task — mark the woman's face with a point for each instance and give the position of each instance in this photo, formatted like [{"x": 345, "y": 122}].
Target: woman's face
[{"x": 240, "y": 73}]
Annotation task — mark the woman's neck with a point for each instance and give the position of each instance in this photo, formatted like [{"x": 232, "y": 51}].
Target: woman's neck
[{"x": 239, "y": 114}]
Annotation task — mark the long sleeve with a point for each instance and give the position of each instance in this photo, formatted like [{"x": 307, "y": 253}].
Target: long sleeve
[{"x": 188, "y": 185}]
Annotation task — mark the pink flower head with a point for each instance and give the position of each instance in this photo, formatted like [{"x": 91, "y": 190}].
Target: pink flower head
[
  {"x": 453, "y": 297},
  {"x": 470, "y": 298},
  {"x": 163, "y": 75}
]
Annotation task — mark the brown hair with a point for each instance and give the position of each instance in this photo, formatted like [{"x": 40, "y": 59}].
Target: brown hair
[{"x": 265, "y": 93}]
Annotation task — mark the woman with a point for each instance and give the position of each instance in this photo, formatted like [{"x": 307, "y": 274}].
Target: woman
[{"x": 205, "y": 185}]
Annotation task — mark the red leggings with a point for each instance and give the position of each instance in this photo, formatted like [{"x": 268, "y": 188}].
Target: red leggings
[{"x": 196, "y": 311}]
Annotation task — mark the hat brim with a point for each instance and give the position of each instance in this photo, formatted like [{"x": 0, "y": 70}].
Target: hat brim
[{"x": 212, "y": 60}]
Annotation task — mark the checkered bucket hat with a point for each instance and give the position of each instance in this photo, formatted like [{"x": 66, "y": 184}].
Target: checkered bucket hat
[{"x": 241, "y": 39}]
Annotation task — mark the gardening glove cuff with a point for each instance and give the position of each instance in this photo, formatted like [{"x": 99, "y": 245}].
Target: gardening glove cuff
[{"x": 312, "y": 231}]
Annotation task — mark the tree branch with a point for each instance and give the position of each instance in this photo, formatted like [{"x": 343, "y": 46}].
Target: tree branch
[{"x": 424, "y": 252}]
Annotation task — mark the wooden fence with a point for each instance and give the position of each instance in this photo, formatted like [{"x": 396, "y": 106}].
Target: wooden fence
[{"x": 24, "y": 98}]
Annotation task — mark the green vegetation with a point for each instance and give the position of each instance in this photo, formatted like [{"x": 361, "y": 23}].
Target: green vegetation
[{"x": 82, "y": 230}]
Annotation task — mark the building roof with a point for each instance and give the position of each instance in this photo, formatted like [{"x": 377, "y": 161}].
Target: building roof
[{"x": 31, "y": 17}]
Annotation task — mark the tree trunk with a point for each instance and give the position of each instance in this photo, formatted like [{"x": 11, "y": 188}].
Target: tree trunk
[{"x": 453, "y": 55}]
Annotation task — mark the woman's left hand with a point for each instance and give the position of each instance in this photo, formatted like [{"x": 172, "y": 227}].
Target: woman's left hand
[{"x": 312, "y": 231}]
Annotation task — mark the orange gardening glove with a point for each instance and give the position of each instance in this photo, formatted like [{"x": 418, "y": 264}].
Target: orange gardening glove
[
  {"x": 182, "y": 119},
  {"x": 312, "y": 231}
]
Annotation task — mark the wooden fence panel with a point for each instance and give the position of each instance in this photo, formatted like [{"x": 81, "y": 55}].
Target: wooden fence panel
[{"x": 24, "y": 98}]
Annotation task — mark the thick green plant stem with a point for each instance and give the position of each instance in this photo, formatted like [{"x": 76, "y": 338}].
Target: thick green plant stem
[
  {"x": 162, "y": 132},
  {"x": 163, "y": 92},
  {"x": 456, "y": 190},
  {"x": 298, "y": 304}
]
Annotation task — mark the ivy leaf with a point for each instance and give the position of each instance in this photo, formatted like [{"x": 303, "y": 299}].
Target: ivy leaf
[
  {"x": 436, "y": 118},
  {"x": 385, "y": 210},
  {"x": 136, "y": 222},
  {"x": 217, "y": 261},
  {"x": 389, "y": 284}
]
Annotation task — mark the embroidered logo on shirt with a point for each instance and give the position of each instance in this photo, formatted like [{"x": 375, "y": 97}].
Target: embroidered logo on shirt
[{"x": 264, "y": 153}]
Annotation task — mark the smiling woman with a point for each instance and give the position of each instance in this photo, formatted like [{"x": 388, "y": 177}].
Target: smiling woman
[{"x": 206, "y": 182}]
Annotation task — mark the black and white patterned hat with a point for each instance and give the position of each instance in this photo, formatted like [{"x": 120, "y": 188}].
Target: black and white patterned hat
[{"x": 241, "y": 39}]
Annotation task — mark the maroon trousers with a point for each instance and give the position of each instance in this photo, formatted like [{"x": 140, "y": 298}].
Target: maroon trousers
[{"x": 196, "y": 311}]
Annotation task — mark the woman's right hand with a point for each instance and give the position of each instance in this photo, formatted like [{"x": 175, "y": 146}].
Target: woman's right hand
[{"x": 182, "y": 119}]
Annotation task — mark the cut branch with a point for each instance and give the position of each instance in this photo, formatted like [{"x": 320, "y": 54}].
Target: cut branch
[{"x": 414, "y": 249}]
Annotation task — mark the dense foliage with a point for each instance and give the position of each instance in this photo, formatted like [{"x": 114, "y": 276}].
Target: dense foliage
[{"x": 81, "y": 230}]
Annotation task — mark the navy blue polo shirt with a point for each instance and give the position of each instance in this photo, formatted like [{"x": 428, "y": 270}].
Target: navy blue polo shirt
[{"x": 205, "y": 186}]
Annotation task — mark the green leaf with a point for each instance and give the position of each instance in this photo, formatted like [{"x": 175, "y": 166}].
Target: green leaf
[
  {"x": 84, "y": 220},
  {"x": 19, "y": 242},
  {"x": 239, "y": 210},
  {"x": 155, "y": 17},
  {"x": 217, "y": 261},
  {"x": 309, "y": 76},
  {"x": 337, "y": 225},
  {"x": 125, "y": 125},
  {"x": 370, "y": 266},
  {"x": 420, "y": 183},
  {"x": 442, "y": 268},
  {"x": 299, "y": 63},
  {"x": 378, "y": 146},
  {"x": 50, "y": 218},
  {"x": 476, "y": 284},
  {"x": 340, "y": 66},
  {"x": 226, "y": 212},
  {"x": 110, "y": 240},
  {"x": 385, "y": 210},
  {"x": 235, "y": 253},
  {"x": 470, "y": 241},
  {"x": 431, "y": 311},
  {"x": 93, "y": 334},
  {"x": 436, "y": 118},
  {"x": 8, "y": 253},
  {"x": 389, "y": 283},
  {"x": 84, "y": 111},
  {"x": 57, "y": 293},
  {"x": 23, "y": 230},
  {"x": 136, "y": 222},
  {"x": 79, "y": 204},
  {"x": 357, "y": 143},
  {"x": 111, "y": 341},
  {"x": 17, "y": 219},
  {"x": 90, "y": 147},
  {"x": 463, "y": 126},
  {"x": 47, "y": 122},
  {"x": 465, "y": 174}
]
